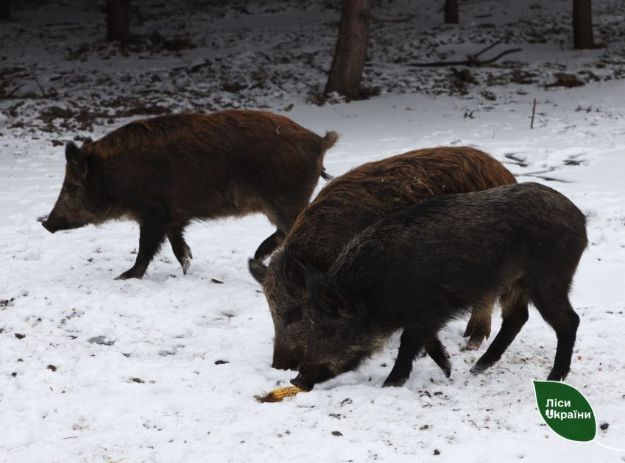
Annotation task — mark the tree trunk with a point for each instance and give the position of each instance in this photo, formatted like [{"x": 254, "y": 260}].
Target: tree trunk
[
  {"x": 5, "y": 9},
  {"x": 351, "y": 49},
  {"x": 582, "y": 24},
  {"x": 117, "y": 23},
  {"x": 451, "y": 11}
]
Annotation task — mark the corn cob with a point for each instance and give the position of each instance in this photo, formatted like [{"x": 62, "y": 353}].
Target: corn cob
[{"x": 279, "y": 393}]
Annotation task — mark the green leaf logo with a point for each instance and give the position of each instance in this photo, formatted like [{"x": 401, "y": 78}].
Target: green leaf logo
[{"x": 565, "y": 410}]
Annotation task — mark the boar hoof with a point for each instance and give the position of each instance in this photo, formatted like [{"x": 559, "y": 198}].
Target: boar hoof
[
  {"x": 185, "y": 259},
  {"x": 557, "y": 375},
  {"x": 130, "y": 274},
  {"x": 479, "y": 368},
  {"x": 477, "y": 327},
  {"x": 185, "y": 264},
  {"x": 474, "y": 343},
  {"x": 394, "y": 382}
]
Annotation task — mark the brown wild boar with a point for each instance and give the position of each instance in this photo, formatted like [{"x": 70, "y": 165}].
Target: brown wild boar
[
  {"x": 418, "y": 269},
  {"x": 354, "y": 201},
  {"x": 167, "y": 171}
]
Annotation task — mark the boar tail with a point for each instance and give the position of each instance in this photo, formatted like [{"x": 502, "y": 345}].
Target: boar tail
[
  {"x": 325, "y": 175},
  {"x": 329, "y": 140}
]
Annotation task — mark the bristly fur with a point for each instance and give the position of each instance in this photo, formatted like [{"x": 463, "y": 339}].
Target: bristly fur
[
  {"x": 167, "y": 171},
  {"x": 350, "y": 203},
  {"x": 417, "y": 269}
]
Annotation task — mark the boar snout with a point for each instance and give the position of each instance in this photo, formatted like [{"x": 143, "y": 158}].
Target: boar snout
[
  {"x": 310, "y": 375},
  {"x": 54, "y": 223},
  {"x": 300, "y": 382},
  {"x": 45, "y": 222},
  {"x": 48, "y": 226}
]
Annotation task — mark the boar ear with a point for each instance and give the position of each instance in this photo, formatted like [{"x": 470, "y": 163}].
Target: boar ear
[
  {"x": 257, "y": 269},
  {"x": 323, "y": 294},
  {"x": 76, "y": 159},
  {"x": 294, "y": 270}
]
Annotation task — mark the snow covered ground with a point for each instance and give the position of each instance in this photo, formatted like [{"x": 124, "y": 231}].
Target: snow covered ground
[{"x": 165, "y": 369}]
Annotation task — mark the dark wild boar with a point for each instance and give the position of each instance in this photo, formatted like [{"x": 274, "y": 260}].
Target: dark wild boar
[
  {"x": 354, "y": 201},
  {"x": 167, "y": 171},
  {"x": 420, "y": 268}
]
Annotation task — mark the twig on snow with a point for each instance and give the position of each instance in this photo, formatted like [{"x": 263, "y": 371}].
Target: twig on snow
[
  {"x": 8, "y": 95},
  {"x": 472, "y": 60},
  {"x": 32, "y": 72}
]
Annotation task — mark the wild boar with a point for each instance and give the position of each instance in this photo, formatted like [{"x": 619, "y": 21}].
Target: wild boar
[
  {"x": 166, "y": 171},
  {"x": 350, "y": 203},
  {"x": 420, "y": 268}
]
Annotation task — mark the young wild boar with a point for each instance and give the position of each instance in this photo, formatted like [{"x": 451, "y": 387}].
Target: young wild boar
[
  {"x": 418, "y": 269},
  {"x": 167, "y": 171},
  {"x": 354, "y": 201}
]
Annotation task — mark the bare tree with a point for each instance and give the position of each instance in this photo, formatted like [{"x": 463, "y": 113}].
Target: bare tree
[
  {"x": 5, "y": 9},
  {"x": 351, "y": 49},
  {"x": 451, "y": 11},
  {"x": 117, "y": 22},
  {"x": 582, "y": 24}
]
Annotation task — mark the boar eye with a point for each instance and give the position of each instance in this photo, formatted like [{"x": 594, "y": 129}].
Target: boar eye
[{"x": 293, "y": 315}]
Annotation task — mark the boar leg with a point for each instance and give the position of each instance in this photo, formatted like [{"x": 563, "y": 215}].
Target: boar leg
[
  {"x": 269, "y": 245},
  {"x": 409, "y": 346},
  {"x": 514, "y": 314},
  {"x": 283, "y": 218},
  {"x": 435, "y": 349},
  {"x": 478, "y": 327},
  {"x": 181, "y": 249},
  {"x": 151, "y": 235},
  {"x": 556, "y": 309}
]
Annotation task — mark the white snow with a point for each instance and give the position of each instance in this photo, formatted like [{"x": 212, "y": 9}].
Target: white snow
[{"x": 128, "y": 371}]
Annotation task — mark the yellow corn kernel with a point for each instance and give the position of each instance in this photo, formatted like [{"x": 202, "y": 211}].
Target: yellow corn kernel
[{"x": 279, "y": 393}]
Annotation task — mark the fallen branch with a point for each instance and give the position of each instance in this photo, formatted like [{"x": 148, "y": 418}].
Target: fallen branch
[
  {"x": 472, "y": 60},
  {"x": 483, "y": 50},
  {"x": 34, "y": 75},
  {"x": 10, "y": 94}
]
